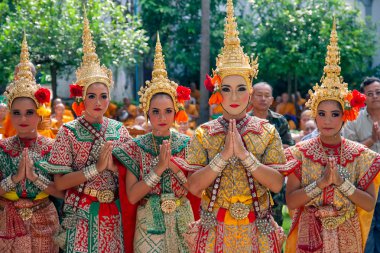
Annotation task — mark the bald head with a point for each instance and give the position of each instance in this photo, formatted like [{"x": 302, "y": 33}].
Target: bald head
[{"x": 263, "y": 85}]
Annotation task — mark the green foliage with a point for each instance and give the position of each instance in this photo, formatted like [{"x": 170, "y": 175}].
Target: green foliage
[
  {"x": 179, "y": 25},
  {"x": 292, "y": 37},
  {"x": 54, "y": 30},
  {"x": 289, "y": 37}
]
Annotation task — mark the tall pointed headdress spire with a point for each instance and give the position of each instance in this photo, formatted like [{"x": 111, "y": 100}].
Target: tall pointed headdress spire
[
  {"x": 332, "y": 85},
  {"x": 233, "y": 60},
  {"x": 90, "y": 70},
  {"x": 24, "y": 84},
  {"x": 160, "y": 83}
]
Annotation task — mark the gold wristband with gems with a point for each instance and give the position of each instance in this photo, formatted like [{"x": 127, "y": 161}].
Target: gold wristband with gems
[
  {"x": 42, "y": 182},
  {"x": 251, "y": 163},
  {"x": 217, "y": 164},
  {"x": 347, "y": 188},
  {"x": 7, "y": 184},
  {"x": 312, "y": 190},
  {"x": 90, "y": 172},
  {"x": 181, "y": 177},
  {"x": 152, "y": 179}
]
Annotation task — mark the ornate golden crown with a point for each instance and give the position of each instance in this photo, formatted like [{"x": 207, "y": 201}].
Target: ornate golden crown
[
  {"x": 24, "y": 84},
  {"x": 90, "y": 70},
  {"x": 332, "y": 86},
  {"x": 160, "y": 82},
  {"x": 233, "y": 60}
]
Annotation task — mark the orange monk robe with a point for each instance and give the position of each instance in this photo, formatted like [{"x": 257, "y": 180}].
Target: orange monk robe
[
  {"x": 68, "y": 113},
  {"x": 286, "y": 108},
  {"x": 132, "y": 114},
  {"x": 111, "y": 111}
]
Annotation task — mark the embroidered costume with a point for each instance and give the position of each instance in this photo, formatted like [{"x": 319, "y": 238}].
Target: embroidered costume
[
  {"x": 28, "y": 219},
  {"x": 164, "y": 213},
  {"x": 235, "y": 208},
  {"x": 157, "y": 231},
  {"x": 92, "y": 214},
  {"x": 331, "y": 222},
  {"x": 235, "y": 191}
]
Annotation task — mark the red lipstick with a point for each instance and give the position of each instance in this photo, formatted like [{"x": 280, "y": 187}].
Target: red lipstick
[{"x": 234, "y": 105}]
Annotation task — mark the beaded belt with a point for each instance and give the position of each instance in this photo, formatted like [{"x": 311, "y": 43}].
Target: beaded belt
[
  {"x": 27, "y": 212},
  {"x": 168, "y": 204},
  {"x": 103, "y": 196},
  {"x": 332, "y": 222}
]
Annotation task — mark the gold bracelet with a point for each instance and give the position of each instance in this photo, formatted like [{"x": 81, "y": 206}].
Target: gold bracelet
[
  {"x": 312, "y": 190},
  {"x": 181, "y": 177},
  {"x": 217, "y": 164},
  {"x": 347, "y": 188},
  {"x": 90, "y": 172},
  {"x": 251, "y": 163},
  {"x": 152, "y": 179},
  {"x": 7, "y": 184}
]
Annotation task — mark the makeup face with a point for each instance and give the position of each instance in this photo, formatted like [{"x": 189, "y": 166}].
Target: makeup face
[
  {"x": 329, "y": 118},
  {"x": 24, "y": 116},
  {"x": 235, "y": 95},
  {"x": 262, "y": 97},
  {"x": 161, "y": 114},
  {"x": 96, "y": 101}
]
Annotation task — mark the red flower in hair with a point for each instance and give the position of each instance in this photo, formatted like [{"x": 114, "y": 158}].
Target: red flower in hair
[
  {"x": 358, "y": 99},
  {"x": 183, "y": 93},
  {"x": 208, "y": 83},
  {"x": 42, "y": 95},
  {"x": 76, "y": 90}
]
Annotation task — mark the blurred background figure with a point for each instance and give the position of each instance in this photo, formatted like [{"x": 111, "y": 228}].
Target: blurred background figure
[
  {"x": 111, "y": 112},
  {"x": 192, "y": 112},
  {"x": 305, "y": 117},
  {"x": 3, "y": 114},
  {"x": 288, "y": 110},
  {"x": 58, "y": 118},
  {"x": 261, "y": 100},
  {"x": 127, "y": 113},
  {"x": 184, "y": 128}
]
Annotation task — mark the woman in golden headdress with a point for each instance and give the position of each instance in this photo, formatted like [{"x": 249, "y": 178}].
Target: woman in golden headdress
[
  {"x": 332, "y": 180},
  {"x": 29, "y": 219},
  {"x": 231, "y": 155},
  {"x": 154, "y": 178},
  {"x": 82, "y": 160}
]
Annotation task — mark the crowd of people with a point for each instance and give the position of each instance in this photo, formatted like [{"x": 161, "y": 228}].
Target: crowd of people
[{"x": 147, "y": 179}]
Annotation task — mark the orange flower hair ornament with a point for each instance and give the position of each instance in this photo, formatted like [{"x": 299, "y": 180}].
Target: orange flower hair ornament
[
  {"x": 183, "y": 94},
  {"x": 213, "y": 85},
  {"x": 76, "y": 91},
  {"x": 352, "y": 104}
]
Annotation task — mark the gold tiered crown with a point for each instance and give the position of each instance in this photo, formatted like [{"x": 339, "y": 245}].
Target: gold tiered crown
[
  {"x": 24, "y": 83},
  {"x": 233, "y": 60},
  {"x": 332, "y": 86},
  {"x": 160, "y": 82},
  {"x": 90, "y": 70}
]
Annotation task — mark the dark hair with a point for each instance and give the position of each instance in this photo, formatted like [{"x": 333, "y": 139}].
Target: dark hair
[
  {"x": 368, "y": 81},
  {"x": 159, "y": 94}
]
